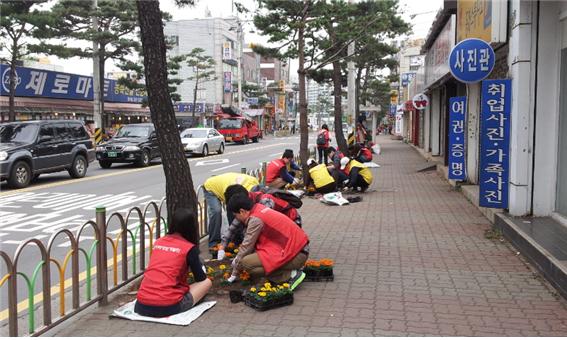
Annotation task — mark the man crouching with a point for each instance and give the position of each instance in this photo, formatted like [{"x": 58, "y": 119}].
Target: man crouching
[{"x": 273, "y": 246}]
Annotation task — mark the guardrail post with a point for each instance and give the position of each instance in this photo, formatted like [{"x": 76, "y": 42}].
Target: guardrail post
[
  {"x": 102, "y": 257},
  {"x": 243, "y": 170},
  {"x": 264, "y": 169}
]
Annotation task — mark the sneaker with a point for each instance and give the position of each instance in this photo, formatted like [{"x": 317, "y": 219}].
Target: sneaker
[{"x": 297, "y": 276}]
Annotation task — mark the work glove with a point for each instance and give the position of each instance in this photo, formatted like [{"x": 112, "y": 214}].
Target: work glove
[
  {"x": 295, "y": 181},
  {"x": 234, "y": 262},
  {"x": 204, "y": 269},
  {"x": 232, "y": 278},
  {"x": 220, "y": 254}
]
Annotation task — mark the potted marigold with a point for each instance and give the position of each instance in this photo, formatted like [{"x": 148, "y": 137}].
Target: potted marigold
[
  {"x": 268, "y": 296},
  {"x": 230, "y": 250},
  {"x": 319, "y": 270}
]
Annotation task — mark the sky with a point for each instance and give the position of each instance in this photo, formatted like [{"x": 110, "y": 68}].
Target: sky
[{"x": 424, "y": 12}]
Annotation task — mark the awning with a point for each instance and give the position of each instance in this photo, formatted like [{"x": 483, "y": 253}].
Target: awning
[
  {"x": 253, "y": 112},
  {"x": 67, "y": 105}
]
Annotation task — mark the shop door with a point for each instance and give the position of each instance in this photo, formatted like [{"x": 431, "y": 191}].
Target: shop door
[{"x": 561, "y": 201}]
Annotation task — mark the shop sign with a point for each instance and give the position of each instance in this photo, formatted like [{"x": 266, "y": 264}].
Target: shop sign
[
  {"x": 252, "y": 100},
  {"x": 471, "y": 60},
  {"x": 226, "y": 51},
  {"x": 482, "y": 19},
  {"x": 227, "y": 82},
  {"x": 457, "y": 113},
  {"x": 399, "y": 125},
  {"x": 496, "y": 101},
  {"x": 392, "y": 110},
  {"x": 436, "y": 58},
  {"x": 40, "y": 83},
  {"x": 407, "y": 78},
  {"x": 420, "y": 101},
  {"x": 188, "y": 107}
]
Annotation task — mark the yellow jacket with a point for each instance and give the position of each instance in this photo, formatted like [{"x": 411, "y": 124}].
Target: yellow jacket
[
  {"x": 218, "y": 184},
  {"x": 320, "y": 176},
  {"x": 364, "y": 171}
]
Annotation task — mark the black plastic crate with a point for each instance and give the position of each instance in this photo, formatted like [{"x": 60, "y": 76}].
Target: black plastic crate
[
  {"x": 261, "y": 306},
  {"x": 319, "y": 275}
]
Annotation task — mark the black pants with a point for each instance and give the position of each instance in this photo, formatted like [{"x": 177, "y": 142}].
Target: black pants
[
  {"x": 325, "y": 189},
  {"x": 322, "y": 151},
  {"x": 360, "y": 182}
]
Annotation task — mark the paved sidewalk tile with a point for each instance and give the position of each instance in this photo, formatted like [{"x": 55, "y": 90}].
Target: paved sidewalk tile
[{"x": 411, "y": 259}]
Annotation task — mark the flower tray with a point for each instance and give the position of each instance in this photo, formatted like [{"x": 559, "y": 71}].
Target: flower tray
[
  {"x": 318, "y": 275},
  {"x": 269, "y": 304}
]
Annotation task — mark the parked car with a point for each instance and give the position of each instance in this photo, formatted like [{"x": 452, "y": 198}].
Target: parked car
[
  {"x": 202, "y": 141},
  {"x": 133, "y": 143},
  {"x": 31, "y": 148}
]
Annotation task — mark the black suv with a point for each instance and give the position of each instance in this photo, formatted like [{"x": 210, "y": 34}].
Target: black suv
[
  {"x": 133, "y": 143},
  {"x": 31, "y": 148}
]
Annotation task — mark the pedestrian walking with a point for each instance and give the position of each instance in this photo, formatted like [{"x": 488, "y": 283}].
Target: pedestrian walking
[{"x": 323, "y": 140}]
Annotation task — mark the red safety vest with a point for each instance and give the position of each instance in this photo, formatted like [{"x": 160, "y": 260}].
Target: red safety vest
[
  {"x": 280, "y": 205},
  {"x": 165, "y": 279},
  {"x": 280, "y": 239},
  {"x": 273, "y": 170},
  {"x": 327, "y": 138},
  {"x": 366, "y": 153}
]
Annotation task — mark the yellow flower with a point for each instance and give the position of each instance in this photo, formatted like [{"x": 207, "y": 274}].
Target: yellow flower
[
  {"x": 210, "y": 270},
  {"x": 262, "y": 294},
  {"x": 235, "y": 251},
  {"x": 263, "y": 289},
  {"x": 286, "y": 285},
  {"x": 222, "y": 267},
  {"x": 274, "y": 290},
  {"x": 267, "y": 285},
  {"x": 280, "y": 286},
  {"x": 252, "y": 289}
]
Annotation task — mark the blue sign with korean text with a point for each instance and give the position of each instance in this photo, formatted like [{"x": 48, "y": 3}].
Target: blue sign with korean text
[
  {"x": 457, "y": 113},
  {"x": 471, "y": 60},
  {"x": 496, "y": 101},
  {"x": 252, "y": 100},
  {"x": 392, "y": 110},
  {"x": 32, "y": 82},
  {"x": 407, "y": 78},
  {"x": 188, "y": 107}
]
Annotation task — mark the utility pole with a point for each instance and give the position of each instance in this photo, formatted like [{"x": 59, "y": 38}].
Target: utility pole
[
  {"x": 351, "y": 87},
  {"x": 97, "y": 114}
]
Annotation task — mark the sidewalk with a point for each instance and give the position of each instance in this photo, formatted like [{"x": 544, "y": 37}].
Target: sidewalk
[{"x": 411, "y": 259}]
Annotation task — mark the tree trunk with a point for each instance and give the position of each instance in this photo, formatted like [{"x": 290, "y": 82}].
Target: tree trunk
[
  {"x": 357, "y": 93},
  {"x": 303, "y": 131},
  {"x": 101, "y": 63},
  {"x": 337, "y": 88},
  {"x": 13, "y": 80},
  {"x": 195, "y": 97},
  {"x": 178, "y": 180}
]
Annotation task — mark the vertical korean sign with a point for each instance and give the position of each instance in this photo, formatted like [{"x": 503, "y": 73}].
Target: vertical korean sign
[
  {"x": 227, "y": 82},
  {"x": 495, "y": 143},
  {"x": 457, "y": 113}
]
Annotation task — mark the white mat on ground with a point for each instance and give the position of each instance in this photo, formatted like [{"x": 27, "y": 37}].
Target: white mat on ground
[
  {"x": 334, "y": 198},
  {"x": 181, "y": 319},
  {"x": 371, "y": 165}
]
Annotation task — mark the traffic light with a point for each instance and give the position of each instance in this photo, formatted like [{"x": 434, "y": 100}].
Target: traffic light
[{"x": 281, "y": 85}]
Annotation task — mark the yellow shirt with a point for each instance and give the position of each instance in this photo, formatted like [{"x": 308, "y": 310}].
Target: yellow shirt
[
  {"x": 218, "y": 184},
  {"x": 320, "y": 176},
  {"x": 364, "y": 171}
]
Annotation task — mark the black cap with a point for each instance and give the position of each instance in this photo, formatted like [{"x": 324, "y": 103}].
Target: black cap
[{"x": 288, "y": 153}]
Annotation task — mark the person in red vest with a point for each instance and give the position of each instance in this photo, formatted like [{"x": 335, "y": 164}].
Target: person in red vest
[
  {"x": 164, "y": 290},
  {"x": 364, "y": 155},
  {"x": 277, "y": 175},
  {"x": 323, "y": 140},
  {"x": 273, "y": 245},
  {"x": 235, "y": 231}
]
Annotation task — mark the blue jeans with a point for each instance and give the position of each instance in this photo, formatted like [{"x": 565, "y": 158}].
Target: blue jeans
[{"x": 214, "y": 213}]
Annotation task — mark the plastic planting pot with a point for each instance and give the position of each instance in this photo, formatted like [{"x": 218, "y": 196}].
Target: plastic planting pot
[
  {"x": 261, "y": 305},
  {"x": 314, "y": 275}
]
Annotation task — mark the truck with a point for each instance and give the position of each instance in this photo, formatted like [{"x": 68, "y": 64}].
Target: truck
[{"x": 237, "y": 128}]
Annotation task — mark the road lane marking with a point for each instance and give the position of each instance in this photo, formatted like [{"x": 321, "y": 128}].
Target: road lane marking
[
  {"x": 212, "y": 162},
  {"x": 225, "y": 167},
  {"x": 275, "y": 154}
]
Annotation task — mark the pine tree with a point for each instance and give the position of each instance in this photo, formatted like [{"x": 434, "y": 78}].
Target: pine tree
[{"x": 203, "y": 67}]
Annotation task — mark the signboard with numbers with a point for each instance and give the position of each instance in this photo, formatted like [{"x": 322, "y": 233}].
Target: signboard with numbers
[
  {"x": 32, "y": 82},
  {"x": 495, "y": 143},
  {"x": 457, "y": 113},
  {"x": 471, "y": 60}
]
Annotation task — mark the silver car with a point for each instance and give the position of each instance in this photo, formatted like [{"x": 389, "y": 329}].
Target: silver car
[{"x": 202, "y": 141}]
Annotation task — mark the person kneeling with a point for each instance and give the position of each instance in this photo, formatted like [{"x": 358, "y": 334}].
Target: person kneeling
[
  {"x": 320, "y": 177},
  {"x": 164, "y": 290},
  {"x": 274, "y": 246},
  {"x": 359, "y": 176}
]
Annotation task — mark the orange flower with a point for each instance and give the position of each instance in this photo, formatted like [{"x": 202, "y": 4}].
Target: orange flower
[
  {"x": 244, "y": 276},
  {"x": 231, "y": 245},
  {"x": 226, "y": 275},
  {"x": 312, "y": 263},
  {"x": 227, "y": 254},
  {"x": 327, "y": 262}
]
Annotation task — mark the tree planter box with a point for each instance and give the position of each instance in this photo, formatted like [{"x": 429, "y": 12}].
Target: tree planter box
[
  {"x": 261, "y": 306},
  {"x": 318, "y": 275}
]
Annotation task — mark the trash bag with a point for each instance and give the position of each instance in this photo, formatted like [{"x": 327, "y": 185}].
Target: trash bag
[{"x": 334, "y": 198}]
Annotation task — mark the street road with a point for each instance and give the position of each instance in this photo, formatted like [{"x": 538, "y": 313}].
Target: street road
[{"x": 55, "y": 201}]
